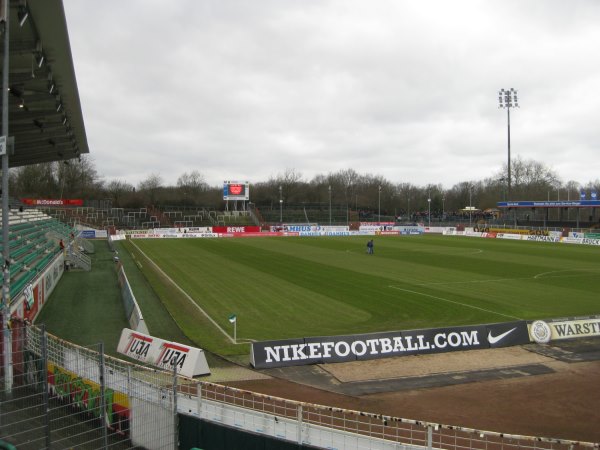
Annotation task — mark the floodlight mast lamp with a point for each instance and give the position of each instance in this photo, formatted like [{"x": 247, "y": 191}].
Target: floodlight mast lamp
[
  {"x": 507, "y": 98},
  {"x": 329, "y": 205},
  {"x": 379, "y": 206},
  {"x": 280, "y": 206}
]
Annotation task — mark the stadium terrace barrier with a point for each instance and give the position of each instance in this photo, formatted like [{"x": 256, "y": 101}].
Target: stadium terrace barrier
[{"x": 132, "y": 309}]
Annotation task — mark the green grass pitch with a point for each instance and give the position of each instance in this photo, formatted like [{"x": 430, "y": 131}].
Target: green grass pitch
[{"x": 305, "y": 286}]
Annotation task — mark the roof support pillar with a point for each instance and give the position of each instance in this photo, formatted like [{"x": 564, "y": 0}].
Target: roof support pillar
[{"x": 5, "y": 307}]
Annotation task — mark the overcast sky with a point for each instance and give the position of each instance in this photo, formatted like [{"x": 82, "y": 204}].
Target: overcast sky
[{"x": 243, "y": 89}]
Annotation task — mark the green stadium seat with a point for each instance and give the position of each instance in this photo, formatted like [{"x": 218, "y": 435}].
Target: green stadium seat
[
  {"x": 15, "y": 268},
  {"x": 22, "y": 250},
  {"x": 32, "y": 256},
  {"x": 19, "y": 285},
  {"x": 6, "y": 446}
]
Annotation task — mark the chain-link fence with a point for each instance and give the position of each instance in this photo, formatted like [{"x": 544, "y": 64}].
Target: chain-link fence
[{"x": 64, "y": 396}]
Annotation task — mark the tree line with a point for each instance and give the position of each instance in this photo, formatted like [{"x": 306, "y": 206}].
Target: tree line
[{"x": 531, "y": 180}]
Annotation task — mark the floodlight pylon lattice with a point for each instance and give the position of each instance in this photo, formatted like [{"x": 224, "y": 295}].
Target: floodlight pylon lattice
[{"x": 507, "y": 99}]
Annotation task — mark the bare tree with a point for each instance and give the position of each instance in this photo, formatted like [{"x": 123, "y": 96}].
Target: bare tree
[
  {"x": 77, "y": 177},
  {"x": 37, "y": 180},
  {"x": 193, "y": 181},
  {"x": 118, "y": 190},
  {"x": 529, "y": 179},
  {"x": 290, "y": 182},
  {"x": 150, "y": 187}
]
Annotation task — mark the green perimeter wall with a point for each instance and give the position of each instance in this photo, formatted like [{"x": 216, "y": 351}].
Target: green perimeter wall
[{"x": 195, "y": 433}]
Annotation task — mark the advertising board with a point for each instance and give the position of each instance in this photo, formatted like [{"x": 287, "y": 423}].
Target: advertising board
[
  {"x": 542, "y": 238},
  {"x": 29, "y": 303},
  {"x": 52, "y": 202},
  {"x": 320, "y": 350},
  {"x": 189, "y": 361},
  {"x": 543, "y": 332},
  {"x": 239, "y": 229},
  {"x": 590, "y": 241}
]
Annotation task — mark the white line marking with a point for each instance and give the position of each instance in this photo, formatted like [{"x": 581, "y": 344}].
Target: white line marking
[
  {"x": 473, "y": 281},
  {"x": 456, "y": 303},
  {"x": 187, "y": 296},
  {"x": 542, "y": 275},
  {"x": 535, "y": 277}
]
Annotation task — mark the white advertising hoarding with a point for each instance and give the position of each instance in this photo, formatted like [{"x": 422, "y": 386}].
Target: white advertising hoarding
[{"x": 190, "y": 361}]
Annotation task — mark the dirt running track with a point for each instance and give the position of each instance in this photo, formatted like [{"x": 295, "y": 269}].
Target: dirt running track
[{"x": 548, "y": 392}]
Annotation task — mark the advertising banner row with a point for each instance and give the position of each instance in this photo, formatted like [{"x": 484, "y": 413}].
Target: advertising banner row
[
  {"x": 280, "y": 230},
  {"x": 190, "y": 361},
  {"x": 551, "y": 237}
]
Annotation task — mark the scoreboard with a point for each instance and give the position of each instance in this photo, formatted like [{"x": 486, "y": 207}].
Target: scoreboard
[{"x": 236, "y": 190}]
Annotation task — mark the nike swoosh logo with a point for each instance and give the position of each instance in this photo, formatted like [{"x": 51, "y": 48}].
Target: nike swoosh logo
[{"x": 494, "y": 339}]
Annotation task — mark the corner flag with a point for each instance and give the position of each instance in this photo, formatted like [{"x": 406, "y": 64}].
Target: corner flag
[{"x": 233, "y": 318}]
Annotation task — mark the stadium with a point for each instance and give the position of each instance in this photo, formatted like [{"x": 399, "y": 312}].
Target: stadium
[{"x": 256, "y": 324}]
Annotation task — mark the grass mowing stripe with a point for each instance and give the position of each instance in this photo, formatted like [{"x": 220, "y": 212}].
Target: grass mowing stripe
[
  {"x": 292, "y": 287},
  {"x": 195, "y": 325},
  {"x": 86, "y": 307},
  {"x": 156, "y": 316},
  {"x": 456, "y": 303},
  {"x": 247, "y": 285},
  {"x": 186, "y": 296}
]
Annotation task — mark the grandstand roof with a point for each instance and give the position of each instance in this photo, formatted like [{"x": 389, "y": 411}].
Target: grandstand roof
[{"x": 45, "y": 115}]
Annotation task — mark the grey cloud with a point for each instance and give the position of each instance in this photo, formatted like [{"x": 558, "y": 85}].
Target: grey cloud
[{"x": 239, "y": 89}]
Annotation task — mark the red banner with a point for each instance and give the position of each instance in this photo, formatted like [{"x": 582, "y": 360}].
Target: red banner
[
  {"x": 52, "y": 202},
  {"x": 233, "y": 229}
]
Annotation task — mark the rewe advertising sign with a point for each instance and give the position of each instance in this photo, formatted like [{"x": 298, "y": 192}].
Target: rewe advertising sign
[{"x": 190, "y": 361}]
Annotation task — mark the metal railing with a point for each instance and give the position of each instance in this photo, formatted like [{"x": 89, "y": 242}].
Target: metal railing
[{"x": 61, "y": 395}]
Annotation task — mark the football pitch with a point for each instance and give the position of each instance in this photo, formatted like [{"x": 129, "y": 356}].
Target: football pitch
[{"x": 289, "y": 287}]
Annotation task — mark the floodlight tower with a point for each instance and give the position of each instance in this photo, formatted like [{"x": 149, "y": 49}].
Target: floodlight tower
[
  {"x": 507, "y": 98},
  {"x": 280, "y": 205},
  {"x": 329, "y": 205},
  {"x": 429, "y": 208},
  {"x": 379, "y": 205}
]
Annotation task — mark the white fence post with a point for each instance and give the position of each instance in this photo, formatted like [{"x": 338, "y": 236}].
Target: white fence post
[
  {"x": 429, "y": 437},
  {"x": 199, "y": 399},
  {"x": 299, "y": 424}
]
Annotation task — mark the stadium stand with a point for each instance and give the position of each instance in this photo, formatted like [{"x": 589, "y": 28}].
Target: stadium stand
[
  {"x": 308, "y": 213},
  {"x": 149, "y": 217},
  {"x": 33, "y": 243}
]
